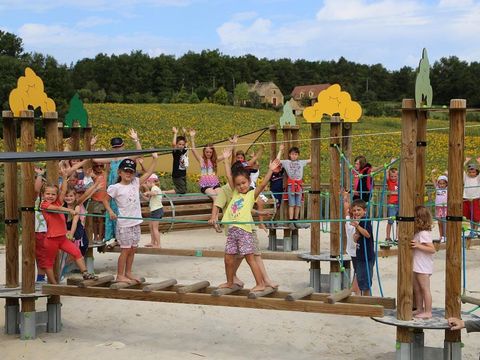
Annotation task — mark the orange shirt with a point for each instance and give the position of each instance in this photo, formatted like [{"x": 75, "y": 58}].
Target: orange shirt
[
  {"x": 56, "y": 224},
  {"x": 392, "y": 187},
  {"x": 100, "y": 194}
]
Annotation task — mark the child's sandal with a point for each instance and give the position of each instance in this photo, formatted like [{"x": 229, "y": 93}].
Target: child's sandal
[{"x": 88, "y": 276}]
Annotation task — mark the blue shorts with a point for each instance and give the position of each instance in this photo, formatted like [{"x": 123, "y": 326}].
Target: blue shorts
[
  {"x": 360, "y": 267},
  {"x": 392, "y": 210},
  {"x": 157, "y": 214},
  {"x": 294, "y": 199}
]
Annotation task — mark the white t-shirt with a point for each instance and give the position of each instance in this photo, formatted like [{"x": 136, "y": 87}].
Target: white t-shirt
[
  {"x": 294, "y": 169},
  {"x": 423, "y": 261},
  {"x": 155, "y": 201},
  {"x": 351, "y": 245},
  {"x": 471, "y": 187},
  {"x": 127, "y": 198}
]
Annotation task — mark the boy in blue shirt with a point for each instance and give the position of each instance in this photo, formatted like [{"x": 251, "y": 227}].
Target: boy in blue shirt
[{"x": 365, "y": 258}]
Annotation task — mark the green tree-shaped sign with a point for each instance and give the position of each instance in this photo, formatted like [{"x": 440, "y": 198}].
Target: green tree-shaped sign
[
  {"x": 423, "y": 89},
  {"x": 287, "y": 117},
  {"x": 76, "y": 112}
]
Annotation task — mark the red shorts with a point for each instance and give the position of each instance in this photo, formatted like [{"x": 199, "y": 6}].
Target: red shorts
[
  {"x": 471, "y": 209},
  {"x": 40, "y": 249},
  {"x": 53, "y": 244}
]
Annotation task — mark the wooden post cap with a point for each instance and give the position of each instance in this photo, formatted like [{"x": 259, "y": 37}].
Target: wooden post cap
[
  {"x": 7, "y": 114},
  {"x": 408, "y": 104},
  {"x": 458, "y": 104},
  {"x": 50, "y": 115},
  {"x": 26, "y": 114}
]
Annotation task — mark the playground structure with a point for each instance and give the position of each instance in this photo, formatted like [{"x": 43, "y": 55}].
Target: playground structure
[{"x": 412, "y": 178}]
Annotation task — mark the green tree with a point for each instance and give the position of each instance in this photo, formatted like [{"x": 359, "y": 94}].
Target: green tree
[
  {"x": 194, "y": 98},
  {"x": 221, "y": 96},
  {"x": 10, "y": 44},
  {"x": 240, "y": 94}
]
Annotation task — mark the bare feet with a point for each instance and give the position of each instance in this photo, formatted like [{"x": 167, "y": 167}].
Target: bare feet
[
  {"x": 156, "y": 246},
  {"x": 258, "y": 288},
  {"x": 424, "y": 316},
  {"x": 416, "y": 312},
  {"x": 271, "y": 284},
  {"x": 217, "y": 227},
  {"x": 226, "y": 285}
]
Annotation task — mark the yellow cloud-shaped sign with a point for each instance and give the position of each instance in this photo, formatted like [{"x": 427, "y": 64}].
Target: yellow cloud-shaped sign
[
  {"x": 333, "y": 101},
  {"x": 29, "y": 92}
]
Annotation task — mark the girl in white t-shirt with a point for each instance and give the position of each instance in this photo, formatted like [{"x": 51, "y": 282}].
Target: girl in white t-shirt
[
  {"x": 350, "y": 231},
  {"x": 423, "y": 254},
  {"x": 154, "y": 195},
  {"x": 126, "y": 194},
  {"x": 441, "y": 196}
]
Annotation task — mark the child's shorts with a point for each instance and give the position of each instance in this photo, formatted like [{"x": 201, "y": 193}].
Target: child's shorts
[
  {"x": 440, "y": 212},
  {"x": 96, "y": 207},
  {"x": 239, "y": 242},
  {"x": 128, "y": 237},
  {"x": 392, "y": 210},
  {"x": 157, "y": 214},
  {"x": 360, "y": 267},
  {"x": 294, "y": 199},
  {"x": 40, "y": 249},
  {"x": 180, "y": 184},
  {"x": 53, "y": 244},
  {"x": 471, "y": 209}
]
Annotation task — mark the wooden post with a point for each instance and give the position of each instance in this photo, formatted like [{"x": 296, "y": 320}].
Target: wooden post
[
  {"x": 60, "y": 136},
  {"x": 406, "y": 217},
  {"x": 87, "y": 137},
  {"x": 273, "y": 141},
  {"x": 287, "y": 137},
  {"x": 315, "y": 205},
  {"x": 421, "y": 157},
  {"x": 347, "y": 151},
  {"x": 53, "y": 143},
  {"x": 335, "y": 132},
  {"x": 75, "y": 137},
  {"x": 453, "y": 257},
  {"x": 11, "y": 203},
  {"x": 27, "y": 126}
]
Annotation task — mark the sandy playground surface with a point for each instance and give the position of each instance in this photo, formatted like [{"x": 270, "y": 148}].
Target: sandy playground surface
[{"x": 103, "y": 329}]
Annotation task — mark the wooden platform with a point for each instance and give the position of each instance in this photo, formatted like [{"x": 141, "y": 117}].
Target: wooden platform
[{"x": 202, "y": 294}]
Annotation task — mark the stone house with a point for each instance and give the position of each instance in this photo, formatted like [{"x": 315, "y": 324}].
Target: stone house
[
  {"x": 268, "y": 92},
  {"x": 307, "y": 95}
]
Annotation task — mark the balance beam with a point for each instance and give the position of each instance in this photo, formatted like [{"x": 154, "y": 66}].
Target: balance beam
[{"x": 269, "y": 303}]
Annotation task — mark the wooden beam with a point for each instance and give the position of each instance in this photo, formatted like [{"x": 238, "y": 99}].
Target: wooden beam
[
  {"x": 126, "y": 285},
  {"x": 193, "y": 287},
  {"x": 226, "y": 300},
  {"x": 100, "y": 281},
  {"x": 421, "y": 157},
  {"x": 470, "y": 300},
  {"x": 297, "y": 295},
  {"x": 226, "y": 291},
  {"x": 453, "y": 258},
  {"x": 259, "y": 294},
  {"x": 160, "y": 286},
  {"x": 335, "y": 132}
]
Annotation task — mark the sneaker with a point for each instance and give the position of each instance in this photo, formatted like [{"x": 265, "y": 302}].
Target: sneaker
[{"x": 388, "y": 241}]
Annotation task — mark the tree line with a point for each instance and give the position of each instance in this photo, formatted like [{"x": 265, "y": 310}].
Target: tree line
[{"x": 215, "y": 77}]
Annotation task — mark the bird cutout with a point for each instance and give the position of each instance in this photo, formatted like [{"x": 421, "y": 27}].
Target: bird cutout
[
  {"x": 287, "y": 117},
  {"x": 30, "y": 94},
  {"x": 423, "y": 89},
  {"x": 333, "y": 102},
  {"x": 76, "y": 113}
]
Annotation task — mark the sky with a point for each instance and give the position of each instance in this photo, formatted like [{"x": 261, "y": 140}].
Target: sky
[{"x": 389, "y": 32}]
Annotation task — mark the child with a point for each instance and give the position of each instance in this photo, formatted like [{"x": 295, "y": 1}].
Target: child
[
  {"x": 276, "y": 185},
  {"x": 363, "y": 184},
  {"x": 126, "y": 195},
  {"x": 209, "y": 183},
  {"x": 220, "y": 203},
  {"x": 180, "y": 162},
  {"x": 350, "y": 230},
  {"x": 240, "y": 240},
  {"x": 471, "y": 195},
  {"x": 96, "y": 205},
  {"x": 294, "y": 169},
  {"x": 154, "y": 194},
  {"x": 423, "y": 253},
  {"x": 40, "y": 227},
  {"x": 392, "y": 201},
  {"x": 56, "y": 238},
  {"x": 365, "y": 254},
  {"x": 441, "y": 195}
]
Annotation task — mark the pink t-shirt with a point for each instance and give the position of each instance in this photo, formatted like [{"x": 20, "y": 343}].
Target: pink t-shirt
[{"x": 423, "y": 261}]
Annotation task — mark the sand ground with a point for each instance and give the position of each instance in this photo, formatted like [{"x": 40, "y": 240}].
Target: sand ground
[{"x": 106, "y": 329}]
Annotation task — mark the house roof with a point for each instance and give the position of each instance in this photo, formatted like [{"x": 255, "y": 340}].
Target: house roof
[
  {"x": 295, "y": 105},
  {"x": 306, "y": 89},
  {"x": 261, "y": 87}
]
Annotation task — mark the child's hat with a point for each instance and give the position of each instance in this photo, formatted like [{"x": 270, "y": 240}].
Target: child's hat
[
  {"x": 472, "y": 166},
  {"x": 116, "y": 142},
  {"x": 152, "y": 177},
  {"x": 128, "y": 164},
  {"x": 442, "y": 177}
]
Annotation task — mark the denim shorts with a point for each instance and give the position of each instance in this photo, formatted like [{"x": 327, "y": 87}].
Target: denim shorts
[
  {"x": 360, "y": 267},
  {"x": 157, "y": 214},
  {"x": 392, "y": 210},
  {"x": 294, "y": 199}
]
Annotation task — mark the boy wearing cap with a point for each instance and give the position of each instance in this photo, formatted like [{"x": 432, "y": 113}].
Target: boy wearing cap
[
  {"x": 180, "y": 162},
  {"x": 154, "y": 194},
  {"x": 471, "y": 194}
]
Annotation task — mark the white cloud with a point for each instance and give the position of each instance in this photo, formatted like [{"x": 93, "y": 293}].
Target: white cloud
[
  {"x": 93, "y": 21},
  {"x": 243, "y": 16},
  {"x": 455, "y": 3}
]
